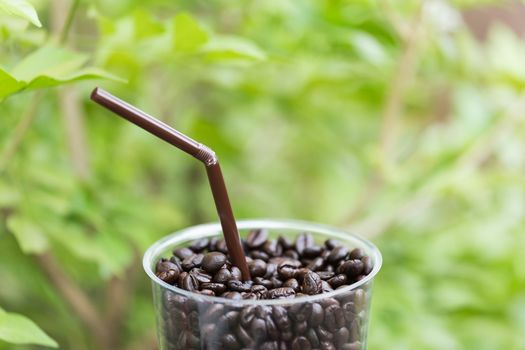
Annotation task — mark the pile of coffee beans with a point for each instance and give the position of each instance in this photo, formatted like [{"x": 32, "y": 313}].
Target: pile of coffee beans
[{"x": 280, "y": 269}]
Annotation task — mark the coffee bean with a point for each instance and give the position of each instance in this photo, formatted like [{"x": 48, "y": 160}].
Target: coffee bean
[
  {"x": 280, "y": 316},
  {"x": 192, "y": 261},
  {"x": 199, "y": 245},
  {"x": 337, "y": 254},
  {"x": 357, "y": 253},
  {"x": 338, "y": 280},
  {"x": 213, "y": 261},
  {"x": 300, "y": 327},
  {"x": 283, "y": 292},
  {"x": 271, "y": 269},
  {"x": 292, "y": 254},
  {"x": 244, "y": 337},
  {"x": 213, "y": 312},
  {"x": 236, "y": 274},
  {"x": 316, "y": 316},
  {"x": 311, "y": 335},
  {"x": 207, "y": 292},
  {"x": 259, "y": 254},
  {"x": 287, "y": 269},
  {"x": 190, "y": 283},
  {"x": 316, "y": 264},
  {"x": 341, "y": 336},
  {"x": 312, "y": 283},
  {"x": 287, "y": 335},
  {"x": 222, "y": 276},
  {"x": 257, "y": 268},
  {"x": 301, "y": 343},
  {"x": 325, "y": 275},
  {"x": 258, "y": 329},
  {"x": 271, "y": 328},
  {"x": 229, "y": 341},
  {"x": 330, "y": 244},
  {"x": 326, "y": 345},
  {"x": 239, "y": 286},
  {"x": 169, "y": 276},
  {"x": 183, "y": 253},
  {"x": 303, "y": 241},
  {"x": 232, "y": 295},
  {"x": 326, "y": 287},
  {"x": 221, "y": 246},
  {"x": 272, "y": 248},
  {"x": 292, "y": 283},
  {"x": 312, "y": 252},
  {"x": 367, "y": 262},
  {"x": 324, "y": 334},
  {"x": 285, "y": 243},
  {"x": 300, "y": 273},
  {"x": 351, "y": 268},
  {"x": 276, "y": 282},
  {"x": 257, "y": 238},
  {"x": 263, "y": 282},
  {"x": 200, "y": 275},
  {"x": 217, "y": 288},
  {"x": 260, "y": 291}
]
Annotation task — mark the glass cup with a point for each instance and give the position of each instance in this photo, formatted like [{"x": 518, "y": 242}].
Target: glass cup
[{"x": 333, "y": 320}]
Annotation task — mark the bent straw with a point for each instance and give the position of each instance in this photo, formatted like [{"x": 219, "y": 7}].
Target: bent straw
[{"x": 195, "y": 149}]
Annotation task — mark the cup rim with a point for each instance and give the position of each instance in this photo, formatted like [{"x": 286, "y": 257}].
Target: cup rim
[{"x": 190, "y": 232}]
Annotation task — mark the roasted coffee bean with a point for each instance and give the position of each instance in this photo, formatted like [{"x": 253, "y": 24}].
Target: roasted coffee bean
[
  {"x": 287, "y": 269},
  {"x": 272, "y": 248},
  {"x": 312, "y": 283},
  {"x": 190, "y": 283},
  {"x": 207, "y": 292},
  {"x": 182, "y": 275},
  {"x": 213, "y": 261},
  {"x": 326, "y": 345},
  {"x": 352, "y": 346},
  {"x": 280, "y": 316},
  {"x": 351, "y": 268},
  {"x": 165, "y": 266},
  {"x": 311, "y": 335},
  {"x": 312, "y": 252},
  {"x": 244, "y": 337},
  {"x": 367, "y": 262},
  {"x": 325, "y": 275},
  {"x": 300, "y": 273},
  {"x": 326, "y": 287},
  {"x": 222, "y": 276},
  {"x": 357, "y": 253},
  {"x": 271, "y": 269},
  {"x": 285, "y": 243},
  {"x": 303, "y": 241},
  {"x": 301, "y": 343},
  {"x": 260, "y": 291},
  {"x": 236, "y": 274},
  {"x": 257, "y": 268},
  {"x": 276, "y": 282},
  {"x": 183, "y": 253},
  {"x": 214, "y": 312},
  {"x": 217, "y": 288},
  {"x": 287, "y": 335},
  {"x": 260, "y": 255},
  {"x": 316, "y": 316},
  {"x": 300, "y": 327},
  {"x": 337, "y": 254},
  {"x": 341, "y": 336},
  {"x": 269, "y": 345},
  {"x": 169, "y": 276},
  {"x": 200, "y": 275},
  {"x": 324, "y": 334},
  {"x": 258, "y": 329},
  {"x": 300, "y": 312},
  {"x": 292, "y": 283},
  {"x": 239, "y": 286},
  {"x": 192, "y": 261},
  {"x": 292, "y": 254},
  {"x": 247, "y": 315},
  {"x": 334, "y": 318},
  {"x": 263, "y": 282},
  {"x": 229, "y": 341},
  {"x": 257, "y": 238},
  {"x": 212, "y": 243},
  {"x": 271, "y": 328},
  {"x": 330, "y": 244},
  {"x": 221, "y": 246},
  {"x": 283, "y": 292},
  {"x": 316, "y": 264},
  {"x": 232, "y": 295},
  {"x": 199, "y": 245},
  {"x": 354, "y": 330},
  {"x": 338, "y": 280}
]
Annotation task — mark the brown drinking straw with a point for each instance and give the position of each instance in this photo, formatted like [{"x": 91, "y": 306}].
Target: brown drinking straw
[{"x": 197, "y": 150}]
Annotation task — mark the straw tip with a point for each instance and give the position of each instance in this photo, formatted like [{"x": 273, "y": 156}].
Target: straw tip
[{"x": 95, "y": 93}]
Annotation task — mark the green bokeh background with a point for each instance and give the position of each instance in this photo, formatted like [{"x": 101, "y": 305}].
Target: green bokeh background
[{"x": 402, "y": 121}]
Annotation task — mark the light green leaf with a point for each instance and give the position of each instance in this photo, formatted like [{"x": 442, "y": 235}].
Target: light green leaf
[
  {"x": 20, "y": 8},
  {"x": 30, "y": 236},
  {"x": 46, "y": 67},
  {"x": 18, "y": 329},
  {"x": 233, "y": 48},
  {"x": 189, "y": 34}
]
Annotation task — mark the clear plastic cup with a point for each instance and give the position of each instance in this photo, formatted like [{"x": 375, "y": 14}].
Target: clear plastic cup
[{"x": 334, "y": 320}]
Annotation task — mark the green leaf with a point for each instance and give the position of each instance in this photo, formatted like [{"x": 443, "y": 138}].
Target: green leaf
[
  {"x": 233, "y": 48},
  {"x": 18, "y": 329},
  {"x": 30, "y": 236},
  {"x": 20, "y": 8},
  {"x": 189, "y": 34},
  {"x": 46, "y": 67}
]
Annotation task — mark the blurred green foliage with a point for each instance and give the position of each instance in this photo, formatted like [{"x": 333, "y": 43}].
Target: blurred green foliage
[{"x": 388, "y": 118}]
